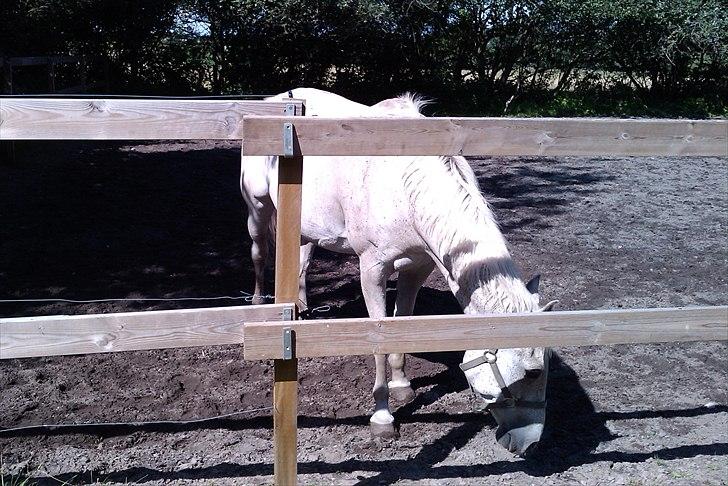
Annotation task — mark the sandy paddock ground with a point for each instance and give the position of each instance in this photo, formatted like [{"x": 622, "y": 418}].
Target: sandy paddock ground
[{"x": 98, "y": 220}]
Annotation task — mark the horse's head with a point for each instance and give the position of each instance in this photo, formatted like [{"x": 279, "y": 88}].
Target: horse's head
[{"x": 511, "y": 384}]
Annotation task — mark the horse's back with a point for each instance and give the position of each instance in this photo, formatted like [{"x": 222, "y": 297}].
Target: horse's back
[
  {"x": 324, "y": 103},
  {"x": 348, "y": 202}
]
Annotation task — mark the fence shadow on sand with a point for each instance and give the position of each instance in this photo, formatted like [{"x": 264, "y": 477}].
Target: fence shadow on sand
[{"x": 573, "y": 431}]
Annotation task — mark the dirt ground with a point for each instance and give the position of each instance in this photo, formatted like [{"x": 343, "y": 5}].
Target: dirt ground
[{"x": 93, "y": 220}]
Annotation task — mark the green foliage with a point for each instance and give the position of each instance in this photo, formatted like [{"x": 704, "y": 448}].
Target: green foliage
[{"x": 540, "y": 57}]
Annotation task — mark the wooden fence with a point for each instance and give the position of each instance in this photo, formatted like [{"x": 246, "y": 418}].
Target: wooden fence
[{"x": 272, "y": 331}]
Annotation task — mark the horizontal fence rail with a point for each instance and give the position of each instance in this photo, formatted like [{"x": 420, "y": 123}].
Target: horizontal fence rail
[
  {"x": 487, "y": 136},
  {"x": 419, "y": 334},
  {"x": 26, "y": 337},
  {"x": 115, "y": 119},
  {"x": 259, "y": 124}
]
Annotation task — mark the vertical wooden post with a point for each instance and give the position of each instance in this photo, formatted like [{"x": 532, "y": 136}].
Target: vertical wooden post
[{"x": 285, "y": 387}]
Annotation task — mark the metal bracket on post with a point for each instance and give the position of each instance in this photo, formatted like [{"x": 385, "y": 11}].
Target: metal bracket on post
[
  {"x": 288, "y": 336},
  {"x": 288, "y": 139},
  {"x": 287, "y": 343},
  {"x": 289, "y": 110}
]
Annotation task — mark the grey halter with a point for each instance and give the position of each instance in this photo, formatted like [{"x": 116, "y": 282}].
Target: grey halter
[{"x": 509, "y": 401}]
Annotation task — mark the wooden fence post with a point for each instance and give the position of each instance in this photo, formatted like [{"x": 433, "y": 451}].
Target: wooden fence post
[{"x": 285, "y": 387}]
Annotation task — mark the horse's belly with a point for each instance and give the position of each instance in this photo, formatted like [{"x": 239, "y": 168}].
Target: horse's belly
[{"x": 323, "y": 219}]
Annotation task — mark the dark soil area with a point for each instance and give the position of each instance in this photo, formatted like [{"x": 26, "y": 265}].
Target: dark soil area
[{"x": 115, "y": 220}]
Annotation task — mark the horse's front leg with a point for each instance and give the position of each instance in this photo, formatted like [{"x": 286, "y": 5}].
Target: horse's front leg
[
  {"x": 408, "y": 285},
  {"x": 374, "y": 287}
]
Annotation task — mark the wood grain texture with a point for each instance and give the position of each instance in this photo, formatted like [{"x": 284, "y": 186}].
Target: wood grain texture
[
  {"x": 288, "y": 229},
  {"x": 285, "y": 387},
  {"x": 26, "y": 337},
  {"x": 488, "y": 136},
  {"x": 343, "y": 337},
  {"x": 115, "y": 119},
  {"x": 285, "y": 421}
]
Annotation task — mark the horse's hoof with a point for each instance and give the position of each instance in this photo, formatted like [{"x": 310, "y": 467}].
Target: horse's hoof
[
  {"x": 257, "y": 300},
  {"x": 402, "y": 394},
  {"x": 383, "y": 431}
]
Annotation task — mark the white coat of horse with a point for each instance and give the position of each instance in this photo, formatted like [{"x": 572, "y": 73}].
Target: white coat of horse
[{"x": 409, "y": 214}]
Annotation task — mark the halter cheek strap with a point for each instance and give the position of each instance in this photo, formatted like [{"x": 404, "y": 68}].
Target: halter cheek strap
[{"x": 491, "y": 357}]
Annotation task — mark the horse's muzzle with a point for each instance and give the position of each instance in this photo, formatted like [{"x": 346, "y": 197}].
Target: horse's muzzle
[
  {"x": 519, "y": 429},
  {"x": 520, "y": 440}
]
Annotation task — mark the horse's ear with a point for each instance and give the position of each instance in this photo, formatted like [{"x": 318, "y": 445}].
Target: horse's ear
[{"x": 532, "y": 284}]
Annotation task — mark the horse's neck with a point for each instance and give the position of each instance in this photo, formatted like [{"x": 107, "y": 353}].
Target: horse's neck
[
  {"x": 462, "y": 236},
  {"x": 482, "y": 276}
]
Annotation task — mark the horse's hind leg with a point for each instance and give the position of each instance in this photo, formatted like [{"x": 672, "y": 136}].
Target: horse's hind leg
[
  {"x": 259, "y": 220},
  {"x": 408, "y": 285}
]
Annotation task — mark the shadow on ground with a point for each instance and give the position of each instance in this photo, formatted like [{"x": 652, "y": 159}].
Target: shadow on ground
[
  {"x": 101, "y": 220},
  {"x": 526, "y": 197},
  {"x": 95, "y": 221},
  {"x": 573, "y": 431}
]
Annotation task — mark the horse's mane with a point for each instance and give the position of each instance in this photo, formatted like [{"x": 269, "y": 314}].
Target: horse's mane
[
  {"x": 452, "y": 214},
  {"x": 456, "y": 166},
  {"x": 407, "y": 105},
  {"x": 471, "y": 201},
  {"x": 426, "y": 178},
  {"x": 458, "y": 224},
  {"x": 444, "y": 193},
  {"x": 415, "y": 101}
]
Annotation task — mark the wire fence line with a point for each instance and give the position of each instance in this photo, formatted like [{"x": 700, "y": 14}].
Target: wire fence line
[
  {"x": 247, "y": 297},
  {"x": 54, "y": 427}
]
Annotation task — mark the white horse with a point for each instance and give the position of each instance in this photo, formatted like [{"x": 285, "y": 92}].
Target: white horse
[{"x": 410, "y": 215}]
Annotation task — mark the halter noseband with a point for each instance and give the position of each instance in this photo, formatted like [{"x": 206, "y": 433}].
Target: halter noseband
[{"x": 509, "y": 401}]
